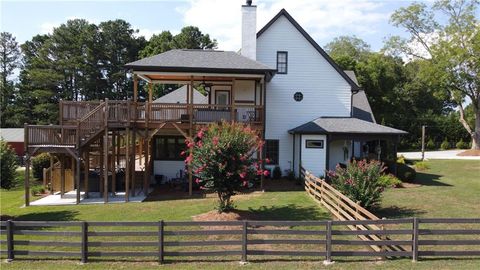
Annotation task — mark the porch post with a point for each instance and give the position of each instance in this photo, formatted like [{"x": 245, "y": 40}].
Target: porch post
[
  {"x": 133, "y": 158},
  {"x": 395, "y": 142},
  {"x": 77, "y": 175},
  {"x": 27, "y": 180},
  {"x": 102, "y": 171},
  {"x": 86, "y": 165},
  {"x": 112, "y": 163},
  {"x": 146, "y": 175},
  {"x": 62, "y": 175},
  {"x": 135, "y": 87},
  {"x": 232, "y": 102},
  {"x": 105, "y": 164},
  {"x": 127, "y": 166}
]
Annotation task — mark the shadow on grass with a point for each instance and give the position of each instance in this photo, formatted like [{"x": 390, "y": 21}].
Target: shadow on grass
[
  {"x": 288, "y": 212},
  {"x": 397, "y": 212},
  {"x": 65, "y": 215},
  {"x": 428, "y": 179}
]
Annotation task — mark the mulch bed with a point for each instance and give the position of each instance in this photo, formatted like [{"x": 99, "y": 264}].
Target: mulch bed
[{"x": 469, "y": 153}]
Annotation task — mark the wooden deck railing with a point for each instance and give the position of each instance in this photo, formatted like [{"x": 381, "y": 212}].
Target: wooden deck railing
[
  {"x": 71, "y": 111},
  {"x": 223, "y": 239},
  {"x": 344, "y": 208},
  {"x": 91, "y": 124},
  {"x": 50, "y": 135}
]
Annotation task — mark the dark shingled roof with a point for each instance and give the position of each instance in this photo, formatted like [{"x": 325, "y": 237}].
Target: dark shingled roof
[
  {"x": 346, "y": 125},
  {"x": 360, "y": 107},
  {"x": 200, "y": 61}
]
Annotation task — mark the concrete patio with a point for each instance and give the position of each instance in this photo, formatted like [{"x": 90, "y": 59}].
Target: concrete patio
[{"x": 93, "y": 198}]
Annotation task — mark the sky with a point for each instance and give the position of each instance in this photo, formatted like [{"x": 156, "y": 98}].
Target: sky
[{"x": 322, "y": 19}]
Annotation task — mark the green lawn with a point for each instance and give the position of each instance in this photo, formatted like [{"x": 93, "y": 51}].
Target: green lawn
[{"x": 449, "y": 189}]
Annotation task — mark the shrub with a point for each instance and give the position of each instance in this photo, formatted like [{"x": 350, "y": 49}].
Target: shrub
[
  {"x": 291, "y": 175},
  {"x": 277, "y": 173},
  {"x": 401, "y": 159},
  {"x": 222, "y": 160},
  {"x": 430, "y": 144},
  {"x": 445, "y": 145},
  {"x": 421, "y": 166},
  {"x": 38, "y": 163},
  {"x": 406, "y": 173},
  {"x": 37, "y": 190},
  {"x": 461, "y": 144},
  {"x": 360, "y": 181},
  {"x": 8, "y": 164},
  {"x": 389, "y": 180}
]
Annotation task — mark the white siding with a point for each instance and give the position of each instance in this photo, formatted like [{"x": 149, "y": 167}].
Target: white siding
[
  {"x": 314, "y": 159},
  {"x": 325, "y": 92},
  {"x": 168, "y": 168}
]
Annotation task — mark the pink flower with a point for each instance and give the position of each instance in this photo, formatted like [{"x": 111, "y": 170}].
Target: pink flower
[
  {"x": 243, "y": 175},
  {"x": 189, "y": 159},
  {"x": 197, "y": 181},
  {"x": 190, "y": 145},
  {"x": 200, "y": 134},
  {"x": 182, "y": 153},
  {"x": 245, "y": 183},
  {"x": 199, "y": 144},
  {"x": 267, "y": 160},
  {"x": 266, "y": 173},
  {"x": 215, "y": 140}
]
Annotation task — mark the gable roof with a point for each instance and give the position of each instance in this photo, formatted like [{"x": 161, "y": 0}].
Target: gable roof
[
  {"x": 344, "y": 125},
  {"x": 210, "y": 61},
  {"x": 180, "y": 96},
  {"x": 360, "y": 106},
  {"x": 283, "y": 12}
]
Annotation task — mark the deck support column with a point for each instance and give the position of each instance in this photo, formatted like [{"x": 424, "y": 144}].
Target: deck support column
[
  {"x": 101, "y": 165},
  {"x": 232, "y": 102},
  {"x": 133, "y": 159},
  {"x": 105, "y": 164},
  {"x": 112, "y": 164},
  {"x": 62, "y": 175},
  {"x": 27, "y": 180},
  {"x": 146, "y": 176},
  {"x": 77, "y": 176},
  {"x": 127, "y": 166},
  {"x": 190, "y": 176},
  {"x": 86, "y": 167}
]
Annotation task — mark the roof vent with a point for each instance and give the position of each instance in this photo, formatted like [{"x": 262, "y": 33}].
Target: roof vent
[{"x": 249, "y": 2}]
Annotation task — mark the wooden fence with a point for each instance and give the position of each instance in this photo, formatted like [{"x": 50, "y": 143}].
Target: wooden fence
[
  {"x": 321, "y": 239},
  {"x": 344, "y": 208}
]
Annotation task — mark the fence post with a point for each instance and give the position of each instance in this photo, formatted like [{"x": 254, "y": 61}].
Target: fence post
[
  {"x": 161, "y": 226},
  {"x": 84, "y": 242},
  {"x": 415, "y": 239},
  {"x": 244, "y": 241},
  {"x": 10, "y": 246},
  {"x": 328, "y": 244},
  {"x": 383, "y": 248}
]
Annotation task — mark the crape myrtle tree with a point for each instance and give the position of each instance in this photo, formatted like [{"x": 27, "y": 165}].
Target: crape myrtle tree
[
  {"x": 223, "y": 160},
  {"x": 450, "y": 51}
]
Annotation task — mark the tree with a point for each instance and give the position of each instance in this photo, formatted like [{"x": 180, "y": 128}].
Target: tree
[
  {"x": 449, "y": 52},
  {"x": 222, "y": 160},
  {"x": 8, "y": 164},
  {"x": 157, "y": 44},
  {"x": 190, "y": 37},
  {"x": 350, "y": 46},
  {"x": 9, "y": 61}
]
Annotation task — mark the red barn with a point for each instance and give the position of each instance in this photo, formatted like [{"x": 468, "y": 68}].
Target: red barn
[{"x": 14, "y": 137}]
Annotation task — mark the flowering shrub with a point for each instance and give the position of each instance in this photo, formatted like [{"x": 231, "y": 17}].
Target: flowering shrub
[
  {"x": 360, "y": 181},
  {"x": 221, "y": 159}
]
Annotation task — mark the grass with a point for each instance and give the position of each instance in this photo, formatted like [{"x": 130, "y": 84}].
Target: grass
[{"x": 449, "y": 188}]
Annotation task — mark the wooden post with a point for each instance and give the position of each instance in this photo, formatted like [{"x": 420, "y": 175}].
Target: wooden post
[
  {"x": 191, "y": 105},
  {"x": 77, "y": 176},
  {"x": 135, "y": 88},
  {"x": 112, "y": 164},
  {"x": 86, "y": 167},
  {"x": 101, "y": 165},
  {"x": 415, "y": 240},
  {"x": 423, "y": 142},
  {"x": 84, "y": 242},
  {"x": 146, "y": 176},
  {"x": 133, "y": 159},
  {"x": 262, "y": 176},
  {"x": 10, "y": 246},
  {"x": 161, "y": 226},
  {"x": 73, "y": 168},
  {"x": 62, "y": 176},
  {"x": 232, "y": 102},
  {"x": 50, "y": 178},
  {"x": 383, "y": 248},
  {"x": 127, "y": 167},
  {"x": 105, "y": 164},
  {"x": 328, "y": 246},
  {"x": 244, "y": 241}
]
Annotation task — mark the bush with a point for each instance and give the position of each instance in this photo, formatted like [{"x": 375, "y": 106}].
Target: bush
[
  {"x": 421, "y": 166},
  {"x": 406, "y": 173},
  {"x": 277, "y": 173},
  {"x": 38, "y": 163},
  {"x": 37, "y": 190},
  {"x": 401, "y": 159},
  {"x": 360, "y": 181},
  {"x": 461, "y": 144},
  {"x": 430, "y": 144},
  {"x": 222, "y": 160},
  {"x": 445, "y": 145},
  {"x": 291, "y": 175},
  {"x": 8, "y": 164},
  {"x": 389, "y": 180}
]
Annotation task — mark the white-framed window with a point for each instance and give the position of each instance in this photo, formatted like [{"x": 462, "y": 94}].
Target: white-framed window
[{"x": 314, "y": 144}]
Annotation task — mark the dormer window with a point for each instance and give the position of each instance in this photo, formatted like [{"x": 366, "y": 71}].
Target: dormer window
[{"x": 282, "y": 62}]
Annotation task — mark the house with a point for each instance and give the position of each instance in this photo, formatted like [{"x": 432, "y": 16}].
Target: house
[
  {"x": 14, "y": 137},
  {"x": 309, "y": 111}
]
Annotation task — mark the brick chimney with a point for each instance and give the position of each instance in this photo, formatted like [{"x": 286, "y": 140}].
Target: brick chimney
[{"x": 249, "y": 30}]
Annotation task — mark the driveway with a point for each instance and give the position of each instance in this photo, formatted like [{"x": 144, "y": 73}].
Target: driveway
[{"x": 447, "y": 154}]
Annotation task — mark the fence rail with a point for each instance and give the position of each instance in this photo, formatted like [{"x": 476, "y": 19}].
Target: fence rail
[{"x": 325, "y": 239}]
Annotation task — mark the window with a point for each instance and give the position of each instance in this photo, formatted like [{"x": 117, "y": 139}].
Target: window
[
  {"x": 298, "y": 96},
  {"x": 282, "y": 62},
  {"x": 168, "y": 148},
  {"x": 271, "y": 151},
  {"x": 314, "y": 144}
]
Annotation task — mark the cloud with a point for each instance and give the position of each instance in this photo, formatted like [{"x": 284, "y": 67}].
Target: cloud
[{"x": 323, "y": 19}]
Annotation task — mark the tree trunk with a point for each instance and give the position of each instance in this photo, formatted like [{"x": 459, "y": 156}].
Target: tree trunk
[{"x": 476, "y": 131}]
